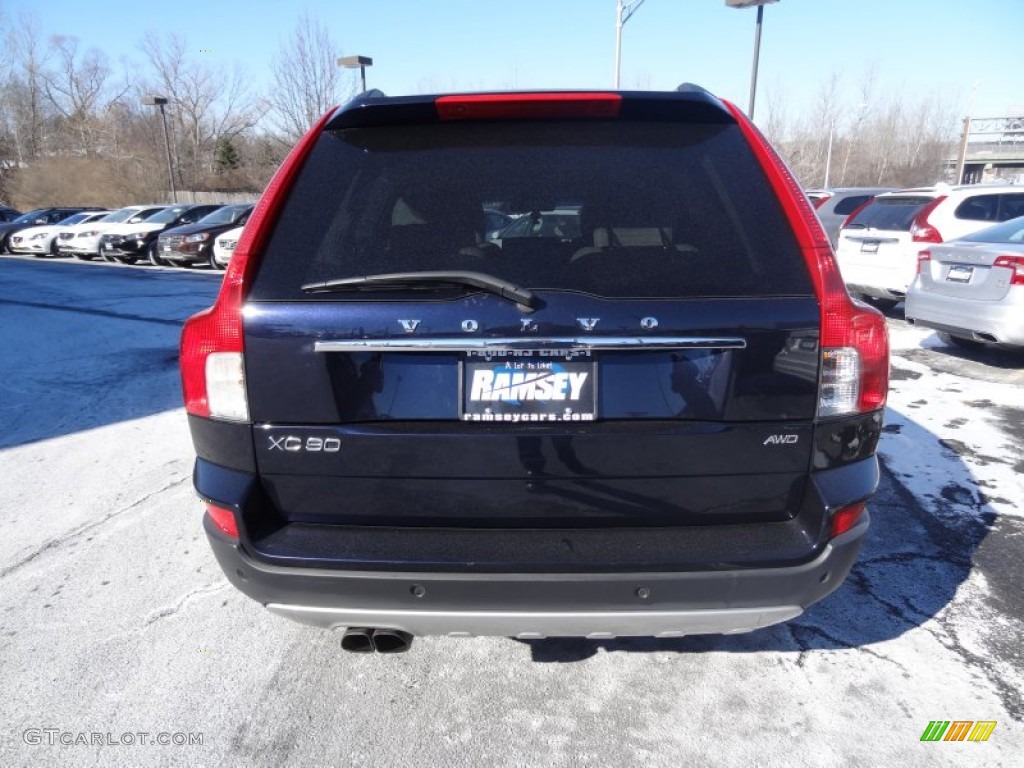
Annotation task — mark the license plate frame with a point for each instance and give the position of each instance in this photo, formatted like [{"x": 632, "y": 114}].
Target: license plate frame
[
  {"x": 869, "y": 246},
  {"x": 959, "y": 274},
  {"x": 536, "y": 389}
]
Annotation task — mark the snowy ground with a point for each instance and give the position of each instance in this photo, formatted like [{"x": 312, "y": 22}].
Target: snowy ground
[{"x": 114, "y": 618}]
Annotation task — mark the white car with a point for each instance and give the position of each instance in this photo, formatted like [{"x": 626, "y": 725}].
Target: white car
[
  {"x": 42, "y": 240},
  {"x": 879, "y": 242},
  {"x": 224, "y": 246},
  {"x": 83, "y": 240},
  {"x": 972, "y": 290}
]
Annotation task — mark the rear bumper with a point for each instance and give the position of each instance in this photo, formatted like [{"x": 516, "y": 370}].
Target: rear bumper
[
  {"x": 877, "y": 280},
  {"x": 526, "y": 605},
  {"x": 1001, "y": 321}
]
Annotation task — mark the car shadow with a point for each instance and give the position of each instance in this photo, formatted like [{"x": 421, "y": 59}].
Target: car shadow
[
  {"x": 994, "y": 357},
  {"x": 909, "y": 570},
  {"x": 95, "y": 344}
]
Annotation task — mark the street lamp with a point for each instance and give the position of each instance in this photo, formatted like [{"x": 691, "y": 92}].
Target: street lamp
[
  {"x": 623, "y": 12},
  {"x": 160, "y": 101},
  {"x": 757, "y": 42},
  {"x": 828, "y": 156},
  {"x": 357, "y": 62}
]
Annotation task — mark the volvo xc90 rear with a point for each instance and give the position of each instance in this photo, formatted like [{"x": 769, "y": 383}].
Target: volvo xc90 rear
[{"x": 661, "y": 421}]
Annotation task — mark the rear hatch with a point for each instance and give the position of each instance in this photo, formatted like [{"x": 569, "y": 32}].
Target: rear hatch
[
  {"x": 663, "y": 371},
  {"x": 876, "y": 246},
  {"x": 965, "y": 269}
]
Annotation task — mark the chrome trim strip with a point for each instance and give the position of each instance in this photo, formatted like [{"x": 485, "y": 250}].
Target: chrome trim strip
[
  {"x": 499, "y": 345},
  {"x": 537, "y": 624}
]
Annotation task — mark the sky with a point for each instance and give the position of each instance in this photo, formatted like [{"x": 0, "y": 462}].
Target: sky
[{"x": 968, "y": 52}]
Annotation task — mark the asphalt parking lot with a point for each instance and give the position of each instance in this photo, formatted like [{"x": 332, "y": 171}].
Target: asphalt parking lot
[{"x": 116, "y": 623}]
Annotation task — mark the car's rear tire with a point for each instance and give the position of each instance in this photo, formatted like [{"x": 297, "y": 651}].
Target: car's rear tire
[
  {"x": 85, "y": 256},
  {"x": 126, "y": 259},
  {"x": 956, "y": 341},
  {"x": 213, "y": 263}
]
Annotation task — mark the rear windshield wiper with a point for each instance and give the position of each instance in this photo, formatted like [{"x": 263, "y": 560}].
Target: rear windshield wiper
[{"x": 393, "y": 280}]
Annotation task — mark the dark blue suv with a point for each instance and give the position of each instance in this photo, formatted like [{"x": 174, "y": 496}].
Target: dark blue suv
[{"x": 657, "y": 416}]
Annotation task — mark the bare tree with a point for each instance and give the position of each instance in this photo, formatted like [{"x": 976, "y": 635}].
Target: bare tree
[
  {"x": 205, "y": 103},
  {"x": 883, "y": 139},
  {"x": 776, "y": 123},
  {"x": 24, "y": 110},
  {"x": 76, "y": 86},
  {"x": 307, "y": 80}
]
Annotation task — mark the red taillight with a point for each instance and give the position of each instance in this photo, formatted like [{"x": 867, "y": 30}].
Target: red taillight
[
  {"x": 923, "y": 257},
  {"x": 224, "y": 519},
  {"x": 219, "y": 328},
  {"x": 845, "y": 518},
  {"x": 819, "y": 200},
  {"x": 511, "y": 106},
  {"x": 1016, "y": 263},
  {"x": 921, "y": 231},
  {"x": 854, "y": 338}
]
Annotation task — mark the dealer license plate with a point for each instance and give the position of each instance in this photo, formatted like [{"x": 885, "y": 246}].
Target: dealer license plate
[{"x": 529, "y": 388}]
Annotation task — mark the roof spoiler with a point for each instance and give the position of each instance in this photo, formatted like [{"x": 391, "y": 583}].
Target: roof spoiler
[{"x": 689, "y": 103}]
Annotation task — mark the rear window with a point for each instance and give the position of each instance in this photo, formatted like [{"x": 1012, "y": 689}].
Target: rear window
[
  {"x": 850, "y": 204},
  {"x": 616, "y": 209},
  {"x": 892, "y": 213}
]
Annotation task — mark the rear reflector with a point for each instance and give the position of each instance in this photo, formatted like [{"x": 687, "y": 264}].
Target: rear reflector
[
  {"x": 845, "y": 518},
  {"x": 528, "y": 106},
  {"x": 223, "y": 519},
  {"x": 923, "y": 257},
  {"x": 1016, "y": 263},
  {"x": 854, "y": 337}
]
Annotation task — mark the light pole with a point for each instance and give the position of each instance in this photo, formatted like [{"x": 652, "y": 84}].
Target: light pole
[
  {"x": 160, "y": 101},
  {"x": 828, "y": 156},
  {"x": 357, "y": 62},
  {"x": 757, "y": 42},
  {"x": 623, "y": 12}
]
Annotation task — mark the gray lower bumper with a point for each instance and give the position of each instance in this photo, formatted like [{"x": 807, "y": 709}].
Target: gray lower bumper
[
  {"x": 531, "y": 625},
  {"x": 529, "y": 605}
]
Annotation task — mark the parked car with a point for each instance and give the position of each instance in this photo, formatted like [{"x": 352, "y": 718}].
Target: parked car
[
  {"x": 971, "y": 290},
  {"x": 879, "y": 243},
  {"x": 34, "y": 218},
  {"x": 193, "y": 243},
  {"x": 8, "y": 214},
  {"x": 42, "y": 241},
  {"x": 83, "y": 240},
  {"x": 835, "y": 205},
  {"x": 128, "y": 243},
  {"x": 224, "y": 247},
  {"x": 398, "y": 424}
]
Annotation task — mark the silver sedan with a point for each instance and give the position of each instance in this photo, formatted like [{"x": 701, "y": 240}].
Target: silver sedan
[{"x": 971, "y": 290}]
